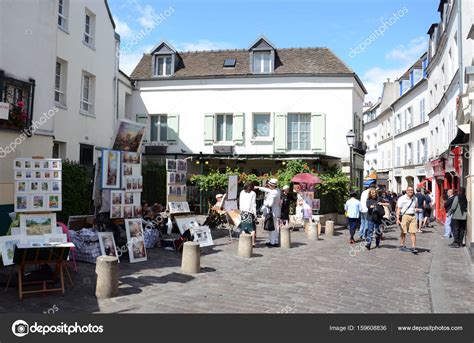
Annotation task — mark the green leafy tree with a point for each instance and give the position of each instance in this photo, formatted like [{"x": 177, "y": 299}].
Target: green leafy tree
[{"x": 334, "y": 189}]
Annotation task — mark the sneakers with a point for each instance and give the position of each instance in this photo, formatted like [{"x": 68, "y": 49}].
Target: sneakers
[
  {"x": 414, "y": 251},
  {"x": 454, "y": 245},
  {"x": 403, "y": 248}
]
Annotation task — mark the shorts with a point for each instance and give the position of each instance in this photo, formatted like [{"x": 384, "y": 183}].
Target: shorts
[
  {"x": 408, "y": 223},
  {"x": 420, "y": 216},
  {"x": 427, "y": 213}
]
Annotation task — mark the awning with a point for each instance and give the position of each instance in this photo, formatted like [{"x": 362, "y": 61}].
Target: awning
[
  {"x": 369, "y": 182},
  {"x": 423, "y": 183},
  {"x": 462, "y": 136}
]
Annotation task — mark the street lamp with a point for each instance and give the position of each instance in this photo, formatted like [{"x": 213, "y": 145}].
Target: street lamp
[{"x": 350, "y": 137}]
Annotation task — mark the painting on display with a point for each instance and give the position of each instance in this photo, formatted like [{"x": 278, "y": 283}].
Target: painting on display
[
  {"x": 185, "y": 223},
  {"x": 202, "y": 235},
  {"x": 178, "y": 207},
  {"x": 171, "y": 165},
  {"x": 135, "y": 240},
  {"x": 232, "y": 187},
  {"x": 129, "y": 136},
  {"x": 38, "y": 224},
  {"x": 7, "y": 248},
  {"x": 111, "y": 169},
  {"x": 107, "y": 244}
]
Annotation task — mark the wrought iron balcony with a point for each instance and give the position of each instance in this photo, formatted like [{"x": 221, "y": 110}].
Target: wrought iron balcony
[{"x": 20, "y": 97}]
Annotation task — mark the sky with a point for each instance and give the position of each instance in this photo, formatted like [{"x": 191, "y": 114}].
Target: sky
[{"x": 377, "y": 39}]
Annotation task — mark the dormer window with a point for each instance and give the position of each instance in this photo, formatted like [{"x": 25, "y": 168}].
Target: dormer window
[
  {"x": 162, "y": 65},
  {"x": 262, "y": 62},
  {"x": 262, "y": 56},
  {"x": 164, "y": 59}
]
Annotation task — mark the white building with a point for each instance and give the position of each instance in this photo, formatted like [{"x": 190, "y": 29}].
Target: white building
[
  {"x": 58, "y": 59},
  {"x": 262, "y": 104},
  {"x": 410, "y": 135},
  {"x": 371, "y": 137}
]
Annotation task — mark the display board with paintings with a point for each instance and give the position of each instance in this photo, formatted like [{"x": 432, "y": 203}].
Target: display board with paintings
[
  {"x": 202, "y": 235},
  {"x": 35, "y": 230},
  {"x": 176, "y": 171},
  {"x": 178, "y": 207},
  {"x": 38, "y": 186},
  {"x": 135, "y": 240}
]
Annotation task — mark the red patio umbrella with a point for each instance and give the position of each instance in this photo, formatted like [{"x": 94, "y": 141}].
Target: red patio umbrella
[{"x": 306, "y": 178}]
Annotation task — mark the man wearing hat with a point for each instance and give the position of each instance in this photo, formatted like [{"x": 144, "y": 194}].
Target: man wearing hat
[{"x": 272, "y": 201}]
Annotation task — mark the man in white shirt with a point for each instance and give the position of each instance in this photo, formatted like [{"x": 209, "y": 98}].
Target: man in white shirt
[
  {"x": 406, "y": 209},
  {"x": 363, "y": 214},
  {"x": 352, "y": 208},
  {"x": 272, "y": 201}
]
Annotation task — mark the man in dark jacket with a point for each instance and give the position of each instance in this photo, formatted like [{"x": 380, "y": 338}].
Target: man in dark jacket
[{"x": 447, "y": 207}]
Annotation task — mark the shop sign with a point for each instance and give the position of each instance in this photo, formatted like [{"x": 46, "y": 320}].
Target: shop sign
[{"x": 4, "y": 110}]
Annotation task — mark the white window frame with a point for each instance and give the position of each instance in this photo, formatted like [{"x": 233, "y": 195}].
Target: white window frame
[
  {"x": 61, "y": 89},
  {"x": 262, "y": 138},
  {"x": 90, "y": 36},
  {"x": 261, "y": 61},
  {"x": 63, "y": 15},
  {"x": 158, "y": 128},
  {"x": 156, "y": 64},
  {"x": 225, "y": 138},
  {"x": 299, "y": 131},
  {"x": 89, "y": 101}
]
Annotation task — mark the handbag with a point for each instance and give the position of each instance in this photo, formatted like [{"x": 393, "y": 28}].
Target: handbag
[{"x": 269, "y": 224}]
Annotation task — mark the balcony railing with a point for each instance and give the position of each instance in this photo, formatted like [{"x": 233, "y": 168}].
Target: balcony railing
[{"x": 20, "y": 97}]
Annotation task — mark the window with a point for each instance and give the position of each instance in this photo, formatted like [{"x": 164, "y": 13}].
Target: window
[
  {"x": 87, "y": 93},
  {"x": 59, "y": 149},
  {"x": 299, "y": 131},
  {"x": 162, "y": 65},
  {"x": 261, "y": 125},
  {"x": 63, "y": 9},
  {"x": 86, "y": 154},
  {"x": 424, "y": 156},
  {"x": 398, "y": 123},
  {"x": 60, "y": 82},
  {"x": 398, "y": 156},
  {"x": 89, "y": 29},
  {"x": 422, "y": 111},
  {"x": 229, "y": 63},
  {"x": 158, "y": 128},
  {"x": 224, "y": 123},
  {"x": 262, "y": 63}
]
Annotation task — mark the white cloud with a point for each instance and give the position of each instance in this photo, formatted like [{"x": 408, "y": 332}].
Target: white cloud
[
  {"x": 148, "y": 15},
  {"x": 410, "y": 52},
  {"x": 123, "y": 29},
  {"x": 129, "y": 61},
  {"x": 374, "y": 78},
  {"x": 202, "y": 44}
]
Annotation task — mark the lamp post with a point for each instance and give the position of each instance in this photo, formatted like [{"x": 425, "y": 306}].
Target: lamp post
[{"x": 350, "y": 137}]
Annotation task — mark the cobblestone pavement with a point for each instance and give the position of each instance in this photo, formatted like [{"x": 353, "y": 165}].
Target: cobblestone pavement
[{"x": 325, "y": 276}]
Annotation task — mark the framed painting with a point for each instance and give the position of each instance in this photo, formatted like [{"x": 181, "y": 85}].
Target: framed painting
[
  {"x": 54, "y": 202},
  {"x": 7, "y": 247},
  {"x": 135, "y": 240},
  {"x": 170, "y": 165},
  {"x": 110, "y": 169},
  {"x": 38, "y": 224},
  {"x": 107, "y": 244},
  {"x": 202, "y": 235},
  {"x": 186, "y": 222},
  {"x": 128, "y": 136}
]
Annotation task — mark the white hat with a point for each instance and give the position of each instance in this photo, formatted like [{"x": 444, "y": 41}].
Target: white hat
[
  {"x": 273, "y": 182},
  {"x": 219, "y": 196},
  {"x": 285, "y": 187}
]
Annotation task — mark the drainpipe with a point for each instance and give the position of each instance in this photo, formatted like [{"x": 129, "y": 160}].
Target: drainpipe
[
  {"x": 460, "y": 51},
  {"x": 394, "y": 128}
]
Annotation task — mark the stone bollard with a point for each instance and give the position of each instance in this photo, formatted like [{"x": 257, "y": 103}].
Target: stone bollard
[
  {"x": 245, "y": 245},
  {"x": 191, "y": 259},
  {"x": 329, "y": 228},
  {"x": 285, "y": 241},
  {"x": 313, "y": 232},
  {"x": 107, "y": 277}
]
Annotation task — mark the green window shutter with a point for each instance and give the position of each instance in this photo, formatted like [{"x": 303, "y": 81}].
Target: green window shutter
[
  {"x": 173, "y": 128},
  {"x": 318, "y": 132},
  {"x": 280, "y": 132},
  {"x": 238, "y": 129},
  {"x": 208, "y": 128}
]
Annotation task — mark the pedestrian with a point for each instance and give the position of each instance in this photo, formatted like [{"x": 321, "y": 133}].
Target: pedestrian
[
  {"x": 420, "y": 215},
  {"x": 447, "y": 207},
  {"x": 375, "y": 213},
  {"x": 352, "y": 209},
  {"x": 363, "y": 214},
  {"x": 248, "y": 210},
  {"x": 458, "y": 213},
  {"x": 428, "y": 209},
  {"x": 271, "y": 204},
  {"x": 406, "y": 209},
  {"x": 285, "y": 202}
]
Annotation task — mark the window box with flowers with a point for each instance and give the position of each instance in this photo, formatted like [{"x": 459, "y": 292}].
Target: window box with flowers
[{"x": 19, "y": 96}]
